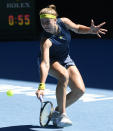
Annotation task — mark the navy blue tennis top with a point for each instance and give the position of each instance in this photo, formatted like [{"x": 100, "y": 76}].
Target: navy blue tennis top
[{"x": 60, "y": 42}]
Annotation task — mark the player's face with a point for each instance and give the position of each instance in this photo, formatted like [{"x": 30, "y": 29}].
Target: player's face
[{"x": 49, "y": 25}]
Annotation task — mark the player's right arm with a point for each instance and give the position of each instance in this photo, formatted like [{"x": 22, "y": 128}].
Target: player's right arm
[
  {"x": 45, "y": 64},
  {"x": 45, "y": 45}
]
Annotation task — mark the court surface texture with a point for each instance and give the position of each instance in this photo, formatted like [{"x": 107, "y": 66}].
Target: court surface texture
[{"x": 20, "y": 112}]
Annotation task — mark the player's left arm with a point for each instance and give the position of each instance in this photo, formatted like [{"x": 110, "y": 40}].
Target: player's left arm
[{"x": 82, "y": 29}]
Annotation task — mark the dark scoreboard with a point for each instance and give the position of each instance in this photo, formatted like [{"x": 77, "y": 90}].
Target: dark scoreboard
[{"x": 17, "y": 19}]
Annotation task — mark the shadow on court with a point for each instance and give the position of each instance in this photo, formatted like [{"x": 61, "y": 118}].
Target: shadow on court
[{"x": 27, "y": 128}]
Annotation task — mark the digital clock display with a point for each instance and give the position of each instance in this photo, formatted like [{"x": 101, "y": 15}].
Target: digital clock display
[{"x": 18, "y": 19}]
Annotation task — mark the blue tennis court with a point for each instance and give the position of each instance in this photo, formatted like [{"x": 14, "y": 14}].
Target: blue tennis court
[
  {"x": 20, "y": 112},
  {"x": 21, "y": 29}
]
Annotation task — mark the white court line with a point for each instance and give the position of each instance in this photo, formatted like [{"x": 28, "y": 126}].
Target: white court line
[{"x": 30, "y": 91}]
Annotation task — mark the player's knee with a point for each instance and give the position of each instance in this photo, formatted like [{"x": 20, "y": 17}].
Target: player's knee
[
  {"x": 64, "y": 77},
  {"x": 80, "y": 91}
]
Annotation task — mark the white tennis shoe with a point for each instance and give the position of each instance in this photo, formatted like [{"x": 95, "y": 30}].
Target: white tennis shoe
[{"x": 61, "y": 120}]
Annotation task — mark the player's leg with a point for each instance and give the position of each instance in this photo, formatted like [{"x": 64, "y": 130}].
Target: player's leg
[
  {"x": 61, "y": 74},
  {"x": 76, "y": 84}
]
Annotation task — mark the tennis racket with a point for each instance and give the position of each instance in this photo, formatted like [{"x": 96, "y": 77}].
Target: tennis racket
[{"x": 45, "y": 112}]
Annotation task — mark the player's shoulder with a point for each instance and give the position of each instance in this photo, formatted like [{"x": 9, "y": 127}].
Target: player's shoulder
[
  {"x": 64, "y": 19},
  {"x": 45, "y": 42},
  {"x": 66, "y": 22}
]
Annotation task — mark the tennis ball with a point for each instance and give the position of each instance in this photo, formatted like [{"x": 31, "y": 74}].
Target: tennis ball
[{"x": 9, "y": 93}]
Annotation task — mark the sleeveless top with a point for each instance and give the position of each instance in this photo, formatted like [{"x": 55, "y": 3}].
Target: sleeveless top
[{"x": 60, "y": 42}]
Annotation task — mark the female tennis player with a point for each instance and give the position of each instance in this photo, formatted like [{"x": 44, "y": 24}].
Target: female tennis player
[{"x": 56, "y": 60}]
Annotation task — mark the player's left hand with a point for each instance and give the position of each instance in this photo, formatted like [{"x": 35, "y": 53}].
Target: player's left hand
[{"x": 97, "y": 29}]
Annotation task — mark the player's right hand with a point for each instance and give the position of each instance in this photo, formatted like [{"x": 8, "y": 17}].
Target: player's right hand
[{"x": 39, "y": 92}]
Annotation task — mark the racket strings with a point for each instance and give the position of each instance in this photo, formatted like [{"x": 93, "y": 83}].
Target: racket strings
[{"x": 46, "y": 114}]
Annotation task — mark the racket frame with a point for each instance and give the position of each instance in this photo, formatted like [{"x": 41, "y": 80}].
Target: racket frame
[{"x": 43, "y": 104}]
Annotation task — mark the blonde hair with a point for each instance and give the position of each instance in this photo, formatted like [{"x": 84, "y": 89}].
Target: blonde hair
[{"x": 50, "y": 9}]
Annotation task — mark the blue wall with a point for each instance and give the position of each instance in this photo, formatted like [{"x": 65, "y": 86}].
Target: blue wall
[{"x": 93, "y": 57}]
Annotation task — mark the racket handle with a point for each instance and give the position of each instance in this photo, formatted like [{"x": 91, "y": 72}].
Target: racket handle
[{"x": 41, "y": 98}]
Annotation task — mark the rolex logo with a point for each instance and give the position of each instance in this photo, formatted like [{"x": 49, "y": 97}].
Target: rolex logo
[{"x": 18, "y": 5}]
